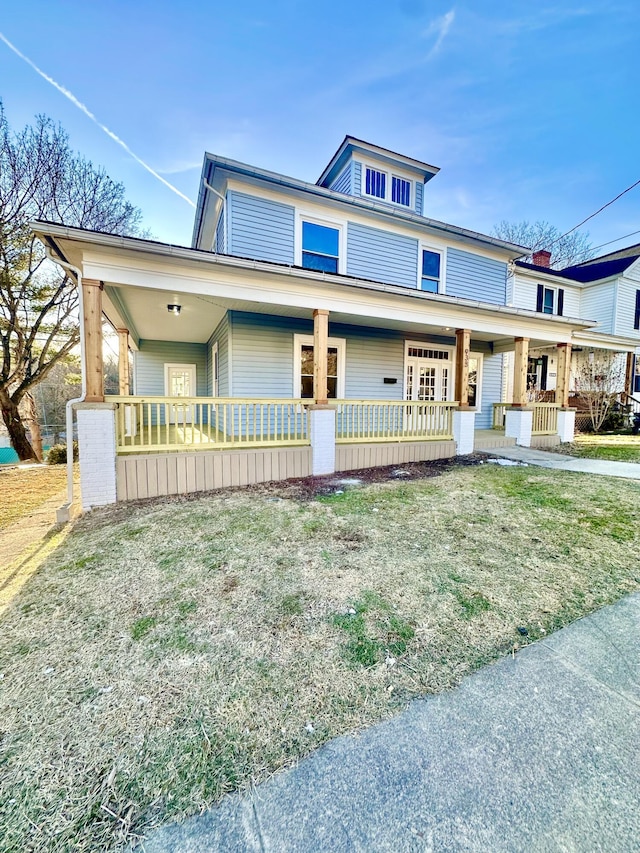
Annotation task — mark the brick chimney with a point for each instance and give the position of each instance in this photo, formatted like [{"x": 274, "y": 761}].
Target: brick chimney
[{"x": 542, "y": 258}]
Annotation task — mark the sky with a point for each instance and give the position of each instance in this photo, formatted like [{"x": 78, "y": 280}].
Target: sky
[{"x": 532, "y": 111}]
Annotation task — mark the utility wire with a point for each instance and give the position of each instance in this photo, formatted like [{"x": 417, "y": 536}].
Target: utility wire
[{"x": 600, "y": 209}]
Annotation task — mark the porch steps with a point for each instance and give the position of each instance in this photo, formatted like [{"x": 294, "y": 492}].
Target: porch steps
[{"x": 488, "y": 438}]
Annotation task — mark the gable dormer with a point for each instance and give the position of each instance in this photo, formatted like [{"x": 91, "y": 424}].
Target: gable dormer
[{"x": 359, "y": 168}]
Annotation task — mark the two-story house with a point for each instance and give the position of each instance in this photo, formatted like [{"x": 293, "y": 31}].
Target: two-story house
[
  {"x": 309, "y": 328},
  {"x": 605, "y": 289}
]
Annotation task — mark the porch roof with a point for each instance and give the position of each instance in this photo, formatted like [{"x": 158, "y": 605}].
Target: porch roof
[{"x": 142, "y": 276}]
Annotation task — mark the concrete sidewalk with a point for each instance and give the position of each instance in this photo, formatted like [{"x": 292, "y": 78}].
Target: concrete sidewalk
[
  {"x": 559, "y": 461},
  {"x": 538, "y": 752}
]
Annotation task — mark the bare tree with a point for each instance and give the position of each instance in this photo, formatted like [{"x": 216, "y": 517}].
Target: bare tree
[
  {"x": 599, "y": 380},
  {"x": 42, "y": 178},
  {"x": 565, "y": 251}
]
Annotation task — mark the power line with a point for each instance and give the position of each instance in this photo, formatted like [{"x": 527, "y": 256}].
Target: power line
[
  {"x": 600, "y": 209},
  {"x": 615, "y": 241}
]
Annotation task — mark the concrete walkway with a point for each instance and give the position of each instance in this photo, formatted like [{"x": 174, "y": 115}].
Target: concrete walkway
[
  {"x": 559, "y": 461},
  {"x": 539, "y": 752}
]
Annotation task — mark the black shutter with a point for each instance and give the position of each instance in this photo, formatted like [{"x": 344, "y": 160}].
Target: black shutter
[
  {"x": 540, "y": 298},
  {"x": 636, "y": 319},
  {"x": 560, "y": 301}
]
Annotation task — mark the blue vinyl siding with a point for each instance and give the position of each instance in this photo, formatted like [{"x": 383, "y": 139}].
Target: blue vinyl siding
[
  {"x": 342, "y": 183},
  {"x": 150, "y": 359},
  {"x": 475, "y": 277},
  {"x": 263, "y": 357},
  {"x": 260, "y": 228},
  {"x": 491, "y": 389},
  {"x": 220, "y": 233},
  {"x": 419, "y": 197},
  {"x": 221, "y": 336},
  {"x": 381, "y": 255},
  {"x": 356, "y": 186}
]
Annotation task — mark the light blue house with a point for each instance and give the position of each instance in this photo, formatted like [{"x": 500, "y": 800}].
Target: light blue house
[{"x": 309, "y": 328}]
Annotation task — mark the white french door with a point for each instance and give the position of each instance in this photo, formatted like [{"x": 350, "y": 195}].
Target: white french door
[
  {"x": 180, "y": 381},
  {"x": 427, "y": 380}
]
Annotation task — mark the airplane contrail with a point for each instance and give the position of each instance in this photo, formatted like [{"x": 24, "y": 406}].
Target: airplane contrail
[{"x": 93, "y": 118}]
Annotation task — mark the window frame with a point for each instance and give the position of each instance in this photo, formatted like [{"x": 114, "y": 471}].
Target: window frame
[
  {"x": 307, "y": 340},
  {"x": 406, "y": 181},
  {"x": 541, "y": 290},
  {"x": 338, "y": 225},
  {"x": 480, "y": 357},
  {"x": 424, "y": 247},
  {"x": 215, "y": 369}
]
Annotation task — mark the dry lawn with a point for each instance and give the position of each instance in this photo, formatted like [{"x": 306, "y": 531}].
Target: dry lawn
[
  {"x": 172, "y": 652},
  {"x": 24, "y": 489}
]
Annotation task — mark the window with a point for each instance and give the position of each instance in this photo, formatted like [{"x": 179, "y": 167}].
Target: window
[
  {"x": 215, "y": 370},
  {"x": 320, "y": 247},
  {"x": 636, "y": 319},
  {"x": 430, "y": 277},
  {"x": 475, "y": 362},
  {"x": 401, "y": 191},
  {"x": 303, "y": 366},
  {"x": 550, "y": 300},
  {"x": 375, "y": 183}
]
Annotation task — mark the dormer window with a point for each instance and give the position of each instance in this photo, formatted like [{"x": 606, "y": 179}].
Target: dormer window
[
  {"x": 375, "y": 183},
  {"x": 400, "y": 191},
  {"x": 550, "y": 300}
]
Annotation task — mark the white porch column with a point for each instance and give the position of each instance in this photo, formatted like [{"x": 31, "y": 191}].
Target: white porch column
[
  {"x": 566, "y": 424},
  {"x": 464, "y": 424},
  {"x": 97, "y": 450},
  {"x": 322, "y": 427},
  {"x": 519, "y": 424}
]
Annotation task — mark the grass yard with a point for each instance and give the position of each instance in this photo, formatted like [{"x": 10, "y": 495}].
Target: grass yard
[
  {"x": 25, "y": 489},
  {"x": 618, "y": 448},
  {"x": 172, "y": 652}
]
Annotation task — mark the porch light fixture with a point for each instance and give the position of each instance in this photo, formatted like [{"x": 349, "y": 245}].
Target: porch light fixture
[{"x": 173, "y": 308}]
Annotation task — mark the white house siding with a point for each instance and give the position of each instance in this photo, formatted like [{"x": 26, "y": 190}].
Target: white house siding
[
  {"x": 382, "y": 255},
  {"x": 220, "y": 246},
  {"x": 221, "y": 337},
  {"x": 260, "y": 228},
  {"x": 472, "y": 276},
  {"x": 614, "y": 362},
  {"x": 419, "y": 195},
  {"x": 149, "y": 362},
  {"x": 626, "y": 308},
  {"x": 525, "y": 295},
  {"x": 598, "y": 303}
]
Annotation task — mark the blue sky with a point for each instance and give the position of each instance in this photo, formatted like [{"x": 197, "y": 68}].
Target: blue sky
[{"x": 531, "y": 110}]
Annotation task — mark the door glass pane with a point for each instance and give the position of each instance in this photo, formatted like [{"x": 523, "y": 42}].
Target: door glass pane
[
  {"x": 445, "y": 384},
  {"x": 427, "y": 383},
  {"x": 409, "y": 382},
  {"x": 180, "y": 383}
]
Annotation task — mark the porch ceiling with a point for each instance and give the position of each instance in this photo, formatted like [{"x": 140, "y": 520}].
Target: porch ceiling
[{"x": 144, "y": 312}]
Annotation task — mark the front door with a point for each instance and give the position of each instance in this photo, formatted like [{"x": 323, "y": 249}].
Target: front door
[
  {"x": 180, "y": 381},
  {"x": 427, "y": 380}
]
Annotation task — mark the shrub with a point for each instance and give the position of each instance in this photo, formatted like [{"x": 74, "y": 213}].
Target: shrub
[{"x": 57, "y": 454}]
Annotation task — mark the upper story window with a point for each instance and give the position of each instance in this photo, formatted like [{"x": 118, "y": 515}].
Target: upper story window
[
  {"x": 320, "y": 247},
  {"x": 430, "y": 273},
  {"x": 375, "y": 183},
  {"x": 550, "y": 300},
  {"x": 401, "y": 191}
]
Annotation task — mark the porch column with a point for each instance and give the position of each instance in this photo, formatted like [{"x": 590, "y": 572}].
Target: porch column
[
  {"x": 628, "y": 378},
  {"x": 564, "y": 372},
  {"x": 320, "y": 355},
  {"x": 520, "y": 360},
  {"x": 92, "y": 319},
  {"x": 519, "y": 418},
  {"x": 123, "y": 361},
  {"x": 463, "y": 345}
]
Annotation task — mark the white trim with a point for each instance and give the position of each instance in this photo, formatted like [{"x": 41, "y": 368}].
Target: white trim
[
  {"x": 305, "y": 215},
  {"x": 437, "y": 250},
  {"x": 179, "y": 366},
  {"x": 307, "y": 340},
  {"x": 480, "y": 357},
  {"x": 451, "y": 361},
  {"x": 215, "y": 369}
]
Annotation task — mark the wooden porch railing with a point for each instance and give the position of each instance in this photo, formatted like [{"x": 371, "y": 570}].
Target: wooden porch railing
[
  {"x": 397, "y": 420},
  {"x": 545, "y": 417},
  {"x": 207, "y": 423}
]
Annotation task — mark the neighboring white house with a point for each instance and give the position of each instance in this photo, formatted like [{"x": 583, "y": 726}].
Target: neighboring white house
[
  {"x": 605, "y": 289},
  {"x": 310, "y": 328}
]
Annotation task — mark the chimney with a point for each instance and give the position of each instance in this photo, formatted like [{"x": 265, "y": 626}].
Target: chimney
[{"x": 542, "y": 258}]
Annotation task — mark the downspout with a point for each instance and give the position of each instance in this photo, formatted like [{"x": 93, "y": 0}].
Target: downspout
[{"x": 63, "y": 513}]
